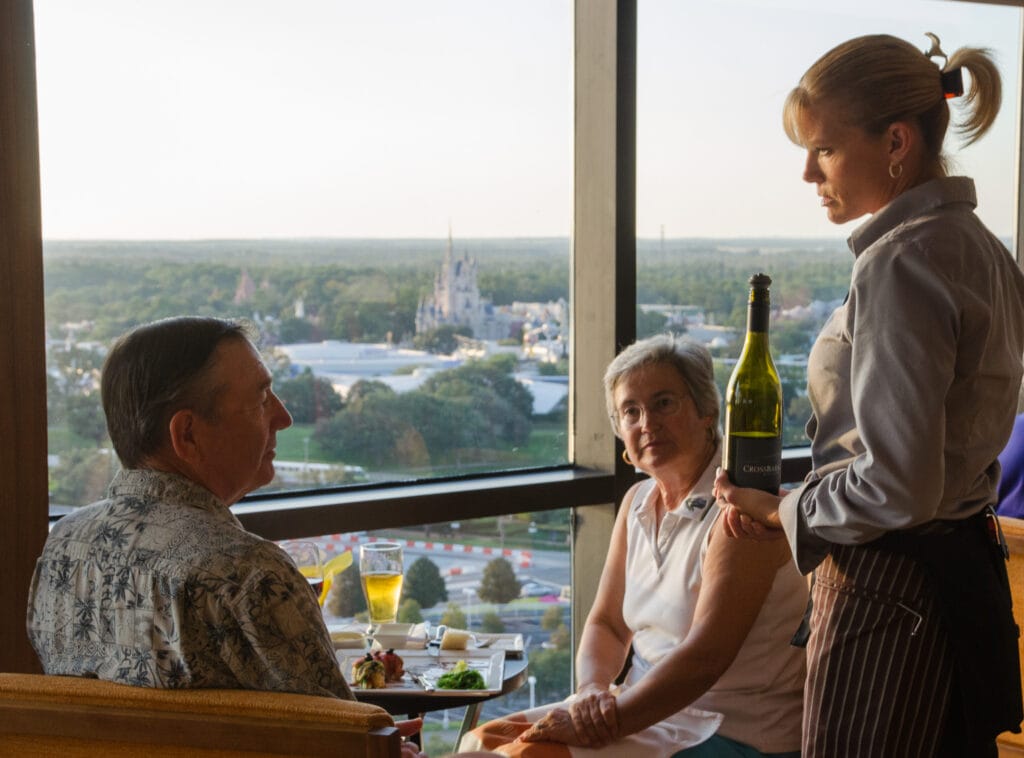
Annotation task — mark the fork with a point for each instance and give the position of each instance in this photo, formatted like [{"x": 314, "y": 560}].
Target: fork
[{"x": 421, "y": 681}]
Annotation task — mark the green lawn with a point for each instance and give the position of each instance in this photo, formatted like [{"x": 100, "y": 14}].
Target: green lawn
[
  {"x": 548, "y": 444},
  {"x": 291, "y": 445}
]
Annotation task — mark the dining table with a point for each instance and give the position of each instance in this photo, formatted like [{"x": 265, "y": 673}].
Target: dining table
[{"x": 415, "y": 702}]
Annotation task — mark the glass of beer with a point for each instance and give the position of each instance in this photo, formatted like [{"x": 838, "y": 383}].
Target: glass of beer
[{"x": 380, "y": 565}]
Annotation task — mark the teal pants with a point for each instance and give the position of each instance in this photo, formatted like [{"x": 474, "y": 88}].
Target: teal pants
[{"x": 723, "y": 747}]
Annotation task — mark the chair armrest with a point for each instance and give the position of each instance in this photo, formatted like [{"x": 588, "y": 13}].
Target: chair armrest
[
  {"x": 76, "y": 709},
  {"x": 1013, "y": 529}
]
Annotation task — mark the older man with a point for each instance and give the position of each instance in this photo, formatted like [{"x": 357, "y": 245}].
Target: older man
[{"x": 159, "y": 585}]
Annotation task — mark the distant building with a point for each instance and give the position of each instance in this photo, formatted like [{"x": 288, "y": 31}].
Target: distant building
[
  {"x": 683, "y": 316},
  {"x": 542, "y": 326},
  {"x": 456, "y": 301},
  {"x": 816, "y": 310},
  {"x": 246, "y": 288},
  {"x": 345, "y": 363},
  {"x": 713, "y": 336}
]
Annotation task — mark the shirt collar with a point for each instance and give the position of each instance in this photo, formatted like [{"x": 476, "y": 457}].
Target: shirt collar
[
  {"x": 698, "y": 501},
  {"x": 914, "y": 202},
  {"x": 167, "y": 487}
]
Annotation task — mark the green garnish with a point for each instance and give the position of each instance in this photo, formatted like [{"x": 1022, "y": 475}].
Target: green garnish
[{"x": 462, "y": 677}]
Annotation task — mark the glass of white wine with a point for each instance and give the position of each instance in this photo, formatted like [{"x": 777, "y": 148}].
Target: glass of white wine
[
  {"x": 380, "y": 566},
  {"x": 307, "y": 558}
]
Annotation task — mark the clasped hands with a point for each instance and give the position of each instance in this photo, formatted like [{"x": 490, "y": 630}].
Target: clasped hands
[
  {"x": 591, "y": 721},
  {"x": 748, "y": 513},
  {"x": 408, "y": 729}
]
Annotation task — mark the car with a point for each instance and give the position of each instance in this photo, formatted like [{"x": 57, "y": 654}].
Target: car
[{"x": 531, "y": 588}]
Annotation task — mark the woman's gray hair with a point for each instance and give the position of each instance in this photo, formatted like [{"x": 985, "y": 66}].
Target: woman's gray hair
[{"x": 690, "y": 359}]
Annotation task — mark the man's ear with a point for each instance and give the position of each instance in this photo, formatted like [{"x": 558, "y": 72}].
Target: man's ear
[
  {"x": 182, "y": 430},
  {"x": 900, "y": 138}
]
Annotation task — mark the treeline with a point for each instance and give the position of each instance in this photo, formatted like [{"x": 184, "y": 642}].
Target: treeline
[
  {"x": 473, "y": 412},
  {"x": 717, "y": 281},
  {"x": 372, "y": 292},
  {"x": 357, "y": 304}
]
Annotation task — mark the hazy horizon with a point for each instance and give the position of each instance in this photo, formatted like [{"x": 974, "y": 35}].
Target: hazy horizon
[{"x": 400, "y": 120}]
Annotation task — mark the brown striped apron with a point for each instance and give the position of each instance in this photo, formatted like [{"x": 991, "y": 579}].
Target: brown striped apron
[{"x": 913, "y": 648}]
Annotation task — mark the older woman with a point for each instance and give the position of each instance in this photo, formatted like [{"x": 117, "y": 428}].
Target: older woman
[
  {"x": 913, "y": 386},
  {"x": 709, "y": 617}
]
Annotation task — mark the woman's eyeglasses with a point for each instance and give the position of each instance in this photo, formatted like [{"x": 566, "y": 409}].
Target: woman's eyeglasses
[{"x": 631, "y": 416}]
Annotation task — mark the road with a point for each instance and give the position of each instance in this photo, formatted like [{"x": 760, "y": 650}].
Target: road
[{"x": 543, "y": 572}]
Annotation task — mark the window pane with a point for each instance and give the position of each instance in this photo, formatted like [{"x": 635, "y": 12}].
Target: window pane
[
  {"x": 384, "y": 188},
  {"x": 719, "y": 189},
  {"x": 505, "y": 579}
]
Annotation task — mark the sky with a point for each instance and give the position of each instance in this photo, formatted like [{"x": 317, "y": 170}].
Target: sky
[{"x": 206, "y": 119}]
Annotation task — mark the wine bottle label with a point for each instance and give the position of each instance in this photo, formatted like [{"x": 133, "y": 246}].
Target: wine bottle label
[{"x": 755, "y": 462}]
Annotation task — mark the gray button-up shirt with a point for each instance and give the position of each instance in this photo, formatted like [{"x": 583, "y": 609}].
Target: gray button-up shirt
[
  {"x": 160, "y": 586},
  {"x": 913, "y": 381}
]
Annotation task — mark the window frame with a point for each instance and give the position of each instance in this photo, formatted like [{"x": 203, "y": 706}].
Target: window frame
[
  {"x": 603, "y": 286},
  {"x": 23, "y": 472}
]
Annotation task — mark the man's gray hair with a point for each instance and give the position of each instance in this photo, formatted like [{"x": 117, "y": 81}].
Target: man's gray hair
[{"x": 154, "y": 371}]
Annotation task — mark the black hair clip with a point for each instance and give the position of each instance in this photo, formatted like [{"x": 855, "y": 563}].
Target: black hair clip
[
  {"x": 953, "y": 82},
  {"x": 935, "y": 51}
]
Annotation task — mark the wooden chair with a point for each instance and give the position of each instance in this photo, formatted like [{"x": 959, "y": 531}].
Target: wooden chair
[
  {"x": 1012, "y": 745},
  {"x": 43, "y": 716}
]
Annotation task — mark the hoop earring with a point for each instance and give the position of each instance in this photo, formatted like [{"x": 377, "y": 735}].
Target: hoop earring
[
  {"x": 895, "y": 170},
  {"x": 626, "y": 459}
]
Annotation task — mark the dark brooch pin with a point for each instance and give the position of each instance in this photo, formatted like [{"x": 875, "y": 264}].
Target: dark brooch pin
[{"x": 695, "y": 503}]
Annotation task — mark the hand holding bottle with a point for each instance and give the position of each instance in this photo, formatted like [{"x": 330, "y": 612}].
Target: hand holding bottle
[{"x": 749, "y": 512}]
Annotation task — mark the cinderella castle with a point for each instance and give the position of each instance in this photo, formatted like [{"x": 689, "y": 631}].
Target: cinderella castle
[{"x": 456, "y": 301}]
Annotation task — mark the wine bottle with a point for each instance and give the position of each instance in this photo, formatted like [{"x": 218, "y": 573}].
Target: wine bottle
[{"x": 753, "y": 403}]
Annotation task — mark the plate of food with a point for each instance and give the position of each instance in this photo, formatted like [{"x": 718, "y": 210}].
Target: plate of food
[
  {"x": 458, "y": 639},
  {"x": 512, "y": 644},
  {"x": 428, "y": 672}
]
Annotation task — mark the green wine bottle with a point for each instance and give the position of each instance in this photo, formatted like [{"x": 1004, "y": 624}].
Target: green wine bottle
[{"x": 753, "y": 403}]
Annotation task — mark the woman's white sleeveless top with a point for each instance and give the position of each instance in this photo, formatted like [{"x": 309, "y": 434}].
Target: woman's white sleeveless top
[{"x": 760, "y": 695}]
